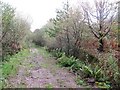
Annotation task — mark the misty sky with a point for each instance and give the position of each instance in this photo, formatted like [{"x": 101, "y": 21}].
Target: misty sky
[{"x": 38, "y": 11}]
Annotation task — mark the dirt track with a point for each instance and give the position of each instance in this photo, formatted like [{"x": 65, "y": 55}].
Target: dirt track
[{"x": 37, "y": 71}]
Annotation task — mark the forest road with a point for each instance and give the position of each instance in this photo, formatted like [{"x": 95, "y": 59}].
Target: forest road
[{"x": 38, "y": 71}]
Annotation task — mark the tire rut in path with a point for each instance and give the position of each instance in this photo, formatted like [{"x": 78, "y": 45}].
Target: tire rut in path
[{"x": 40, "y": 72}]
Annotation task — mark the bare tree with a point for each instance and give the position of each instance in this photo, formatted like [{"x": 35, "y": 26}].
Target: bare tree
[{"x": 100, "y": 18}]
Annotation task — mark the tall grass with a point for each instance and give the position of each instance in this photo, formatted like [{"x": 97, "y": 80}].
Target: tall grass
[{"x": 11, "y": 65}]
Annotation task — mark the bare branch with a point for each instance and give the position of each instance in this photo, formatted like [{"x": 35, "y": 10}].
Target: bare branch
[{"x": 109, "y": 26}]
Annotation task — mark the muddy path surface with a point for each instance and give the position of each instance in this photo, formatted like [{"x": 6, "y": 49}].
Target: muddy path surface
[{"x": 38, "y": 71}]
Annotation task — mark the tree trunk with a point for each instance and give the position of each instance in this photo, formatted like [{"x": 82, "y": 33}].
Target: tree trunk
[
  {"x": 68, "y": 43},
  {"x": 101, "y": 46}
]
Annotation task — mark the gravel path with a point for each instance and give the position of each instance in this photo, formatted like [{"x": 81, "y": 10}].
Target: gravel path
[{"x": 40, "y": 72}]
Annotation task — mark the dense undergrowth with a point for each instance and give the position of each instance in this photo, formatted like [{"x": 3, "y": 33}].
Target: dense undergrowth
[
  {"x": 11, "y": 65},
  {"x": 91, "y": 73}
]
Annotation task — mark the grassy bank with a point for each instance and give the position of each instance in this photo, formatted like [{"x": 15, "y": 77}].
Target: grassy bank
[{"x": 11, "y": 65}]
